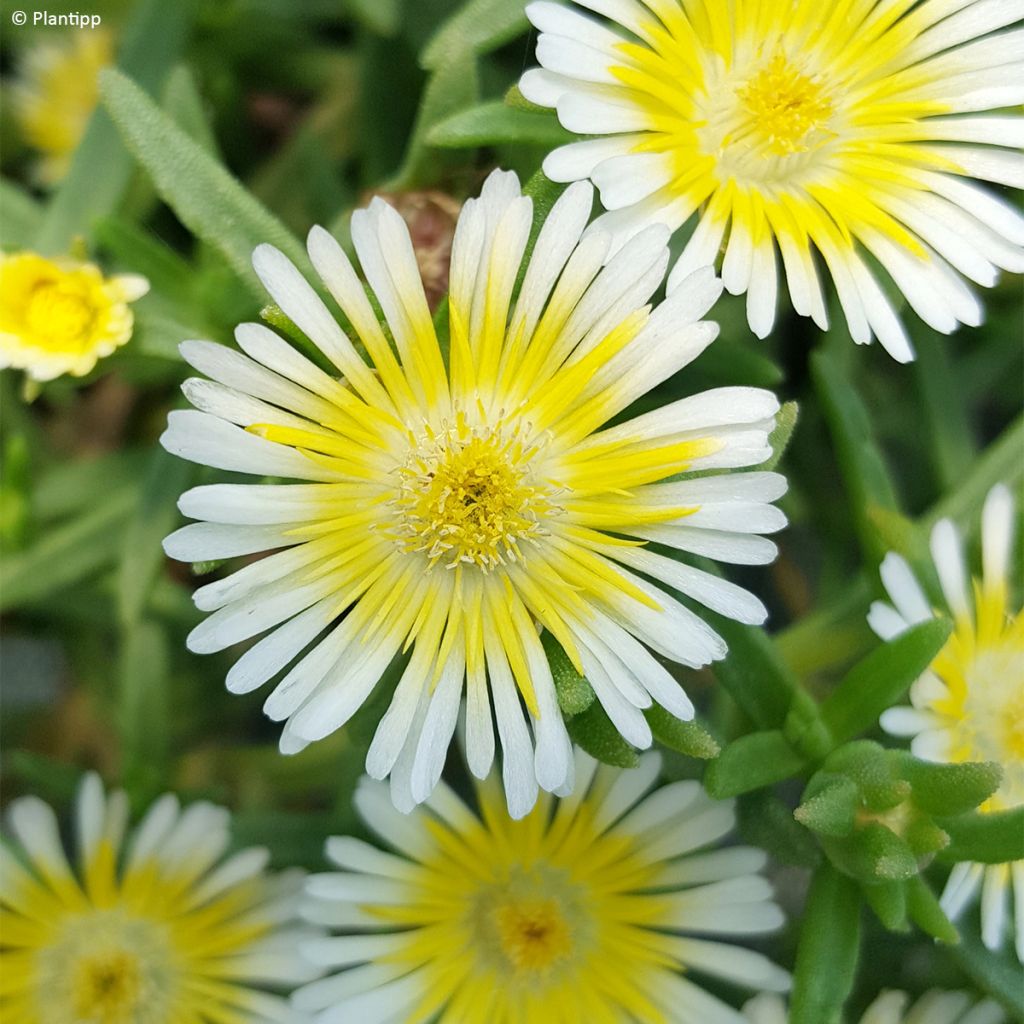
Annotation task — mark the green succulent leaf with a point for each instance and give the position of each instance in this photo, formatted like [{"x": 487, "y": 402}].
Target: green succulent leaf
[
  {"x": 832, "y": 809},
  {"x": 826, "y": 958},
  {"x": 751, "y": 762},
  {"x": 951, "y": 789},
  {"x": 493, "y": 123},
  {"x": 924, "y": 910},
  {"x": 889, "y": 902},
  {"x": 594, "y": 732},
  {"x": 881, "y": 679},
  {"x": 767, "y": 822},
  {"x": 575, "y": 694},
  {"x": 688, "y": 738},
  {"x": 477, "y": 27},
  {"x": 985, "y": 838}
]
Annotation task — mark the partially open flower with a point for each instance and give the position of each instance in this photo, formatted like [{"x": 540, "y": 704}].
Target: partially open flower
[{"x": 60, "y": 317}]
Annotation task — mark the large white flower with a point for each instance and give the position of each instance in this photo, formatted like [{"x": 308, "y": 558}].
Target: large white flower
[
  {"x": 456, "y": 506},
  {"x": 600, "y": 907},
  {"x": 158, "y": 929},
  {"x": 969, "y": 704},
  {"x": 801, "y": 126}
]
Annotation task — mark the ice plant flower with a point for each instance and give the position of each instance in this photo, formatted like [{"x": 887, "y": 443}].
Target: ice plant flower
[
  {"x": 590, "y": 908},
  {"x": 158, "y": 929},
  {"x": 891, "y": 1007},
  {"x": 456, "y": 508},
  {"x": 60, "y": 317},
  {"x": 54, "y": 96},
  {"x": 969, "y": 705},
  {"x": 789, "y": 126}
]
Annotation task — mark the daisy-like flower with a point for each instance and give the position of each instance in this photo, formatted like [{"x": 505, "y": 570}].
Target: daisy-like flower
[
  {"x": 54, "y": 96},
  {"x": 456, "y": 507},
  {"x": 60, "y": 317},
  {"x": 891, "y": 1007},
  {"x": 587, "y": 909},
  {"x": 969, "y": 704},
  {"x": 161, "y": 929},
  {"x": 792, "y": 126}
]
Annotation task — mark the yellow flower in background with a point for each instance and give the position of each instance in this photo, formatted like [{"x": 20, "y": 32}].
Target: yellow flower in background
[
  {"x": 610, "y": 906},
  {"x": 60, "y": 317},
  {"x": 969, "y": 704},
  {"x": 55, "y": 94},
  {"x": 793, "y": 127},
  {"x": 161, "y": 929}
]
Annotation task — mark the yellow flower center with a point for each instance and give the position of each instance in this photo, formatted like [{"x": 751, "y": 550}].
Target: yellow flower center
[
  {"x": 534, "y": 935},
  {"x": 766, "y": 128},
  {"x": 467, "y": 495},
  {"x": 786, "y": 109},
  {"x": 58, "y": 315},
  {"x": 108, "y": 967},
  {"x": 107, "y": 986},
  {"x": 529, "y": 924}
]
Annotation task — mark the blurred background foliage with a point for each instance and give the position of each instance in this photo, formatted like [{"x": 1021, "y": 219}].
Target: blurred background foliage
[{"x": 313, "y": 107}]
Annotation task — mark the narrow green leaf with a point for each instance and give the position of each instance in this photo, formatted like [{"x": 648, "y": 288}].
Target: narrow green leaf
[
  {"x": 924, "y": 910},
  {"x": 751, "y": 762},
  {"x": 767, "y": 822},
  {"x": 478, "y": 27},
  {"x": 101, "y": 169},
  {"x": 863, "y": 468},
  {"x": 575, "y": 694},
  {"x": 143, "y": 710},
  {"x": 881, "y": 679},
  {"x": 950, "y": 789},
  {"x": 452, "y": 87},
  {"x": 753, "y": 673},
  {"x": 889, "y": 902},
  {"x": 594, "y": 732},
  {"x": 67, "y": 554},
  {"x": 998, "y": 974},
  {"x": 985, "y": 838},
  {"x": 153, "y": 518},
  {"x": 826, "y": 959},
  {"x": 1001, "y": 461},
  {"x": 689, "y": 738},
  {"x": 785, "y": 424},
  {"x": 946, "y": 425},
  {"x": 204, "y": 195},
  {"x": 20, "y": 214},
  {"x": 492, "y": 123},
  {"x": 184, "y": 105}
]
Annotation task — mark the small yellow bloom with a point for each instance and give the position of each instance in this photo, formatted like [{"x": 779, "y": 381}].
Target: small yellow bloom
[
  {"x": 61, "y": 317},
  {"x": 56, "y": 95}
]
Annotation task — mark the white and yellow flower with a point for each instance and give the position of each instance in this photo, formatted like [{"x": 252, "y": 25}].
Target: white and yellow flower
[
  {"x": 60, "y": 317},
  {"x": 598, "y": 907},
  {"x": 891, "y": 1007},
  {"x": 456, "y": 507},
  {"x": 56, "y": 91},
  {"x": 789, "y": 126},
  {"x": 161, "y": 929},
  {"x": 969, "y": 705}
]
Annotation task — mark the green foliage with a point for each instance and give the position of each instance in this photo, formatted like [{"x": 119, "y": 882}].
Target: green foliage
[
  {"x": 593, "y": 731},
  {"x": 204, "y": 195},
  {"x": 492, "y": 123},
  {"x": 574, "y": 693}
]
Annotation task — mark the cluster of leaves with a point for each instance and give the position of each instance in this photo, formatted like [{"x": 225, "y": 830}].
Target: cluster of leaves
[{"x": 403, "y": 95}]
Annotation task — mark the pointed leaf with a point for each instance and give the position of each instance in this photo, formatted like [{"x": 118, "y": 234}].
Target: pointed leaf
[
  {"x": 881, "y": 679},
  {"x": 688, "y": 738},
  {"x": 594, "y": 732},
  {"x": 751, "y": 762}
]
